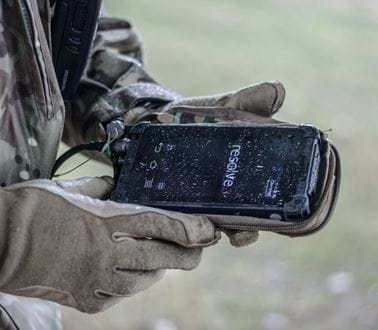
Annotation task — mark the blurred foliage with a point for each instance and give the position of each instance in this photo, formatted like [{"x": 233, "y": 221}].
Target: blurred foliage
[{"x": 326, "y": 55}]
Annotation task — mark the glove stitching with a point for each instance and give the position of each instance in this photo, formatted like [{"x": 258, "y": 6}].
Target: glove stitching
[{"x": 112, "y": 218}]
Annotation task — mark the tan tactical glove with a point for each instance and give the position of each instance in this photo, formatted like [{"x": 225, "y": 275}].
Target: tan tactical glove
[
  {"x": 253, "y": 104},
  {"x": 116, "y": 84},
  {"x": 60, "y": 241},
  {"x": 148, "y": 101}
]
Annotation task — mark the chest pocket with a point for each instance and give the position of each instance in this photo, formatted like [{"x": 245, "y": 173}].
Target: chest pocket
[
  {"x": 31, "y": 107},
  {"x": 29, "y": 63}
]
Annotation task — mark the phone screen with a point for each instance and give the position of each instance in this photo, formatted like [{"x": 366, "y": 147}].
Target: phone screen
[{"x": 212, "y": 165}]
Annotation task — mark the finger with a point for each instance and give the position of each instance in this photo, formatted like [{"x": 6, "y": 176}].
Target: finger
[
  {"x": 241, "y": 238},
  {"x": 263, "y": 99},
  {"x": 183, "y": 229},
  {"x": 123, "y": 284},
  {"x": 97, "y": 188},
  {"x": 134, "y": 220},
  {"x": 147, "y": 254},
  {"x": 185, "y": 115}
]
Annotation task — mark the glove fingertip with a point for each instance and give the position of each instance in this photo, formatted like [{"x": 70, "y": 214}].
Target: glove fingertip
[
  {"x": 108, "y": 179},
  {"x": 280, "y": 96},
  {"x": 201, "y": 232},
  {"x": 242, "y": 239}
]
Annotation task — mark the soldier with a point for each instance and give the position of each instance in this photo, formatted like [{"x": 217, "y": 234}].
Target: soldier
[{"x": 62, "y": 241}]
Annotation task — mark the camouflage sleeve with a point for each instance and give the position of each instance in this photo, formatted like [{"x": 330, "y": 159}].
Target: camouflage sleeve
[
  {"x": 115, "y": 82},
  {"x": 6, "y": 321}
]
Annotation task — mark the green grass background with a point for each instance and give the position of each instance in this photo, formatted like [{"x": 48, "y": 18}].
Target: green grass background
[{"x": 325, "y": 53}]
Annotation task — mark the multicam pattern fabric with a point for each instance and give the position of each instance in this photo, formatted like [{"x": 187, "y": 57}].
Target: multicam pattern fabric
[
  {"x": 29, "y": 314},
  {"x": 34, "y": 118},
  {"x": 31, "y": 110},
  {"x": 114, "y": 83},
  {"x": 33, "y": 114},
  {"x": 6, "y": 321}
]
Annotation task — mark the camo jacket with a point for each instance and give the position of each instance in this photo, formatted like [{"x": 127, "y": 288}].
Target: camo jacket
[{"x": 33, "y": 116}]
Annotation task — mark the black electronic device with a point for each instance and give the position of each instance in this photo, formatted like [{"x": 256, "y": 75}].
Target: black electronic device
[
  {"x": 73, "y": 29},
  {"x": 267, "y": 171}
]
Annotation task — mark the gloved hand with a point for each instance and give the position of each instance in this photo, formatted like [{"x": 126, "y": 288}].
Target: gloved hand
[
  {"x": 255, "y": 104},
  {"x": 148, "y": 101},
  {"x": 60, "y": 241},
  {"x": 116, "y": 84}
]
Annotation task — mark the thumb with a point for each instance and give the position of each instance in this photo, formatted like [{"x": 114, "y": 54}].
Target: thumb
[{"x": 97, "y": 187}]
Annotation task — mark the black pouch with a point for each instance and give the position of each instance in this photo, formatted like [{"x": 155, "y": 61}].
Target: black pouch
[
  {"x": 325, "y": 203},
  {"x": 276, "y": 177}
]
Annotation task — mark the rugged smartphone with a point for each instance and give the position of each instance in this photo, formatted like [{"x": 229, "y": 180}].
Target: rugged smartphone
[
  {"x": 73, "y": 29},
  {"x": 267, "y": 171}
]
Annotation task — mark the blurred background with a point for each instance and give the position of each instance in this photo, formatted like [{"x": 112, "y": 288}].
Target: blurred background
[{"x": 325, "y": 53}]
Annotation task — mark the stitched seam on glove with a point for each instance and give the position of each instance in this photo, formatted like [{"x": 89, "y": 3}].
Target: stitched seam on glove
[{"x": 48, "y": 190}]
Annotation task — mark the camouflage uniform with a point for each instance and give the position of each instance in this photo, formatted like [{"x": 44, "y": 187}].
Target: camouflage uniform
[
  {"x": 34, "y": 118},
  {"x": 32, "y": 112},
  {"x": 33, "y": 115}
]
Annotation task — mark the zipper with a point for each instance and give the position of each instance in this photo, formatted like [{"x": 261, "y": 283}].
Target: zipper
[
  {"x": 36, "y": 45},
  {"x": 28, "y": 20}
]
